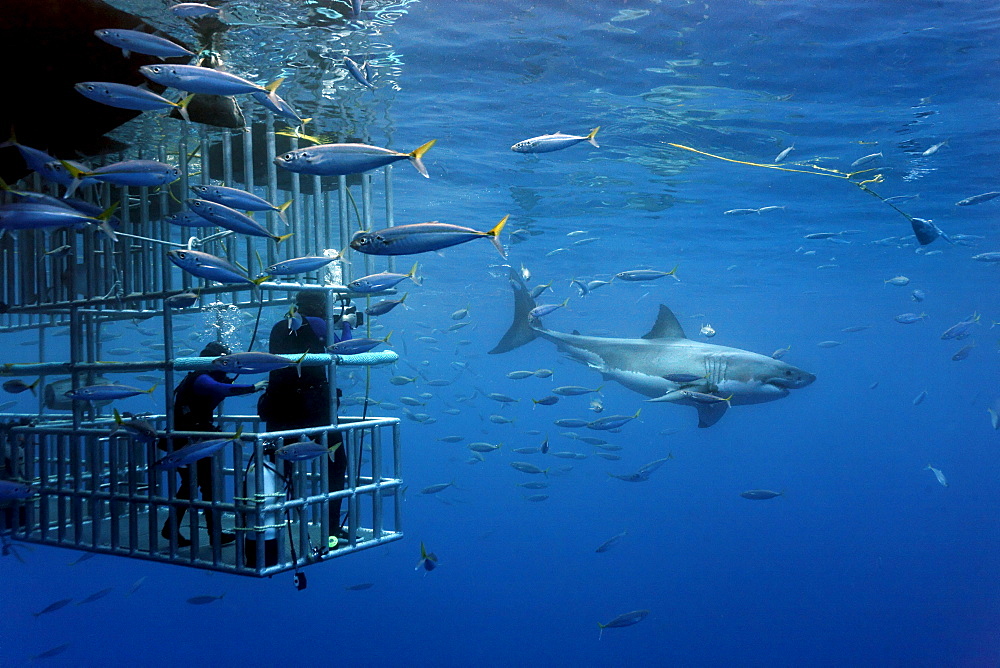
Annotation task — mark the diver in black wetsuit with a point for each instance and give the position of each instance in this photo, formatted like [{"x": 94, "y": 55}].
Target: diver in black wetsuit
[
  {"x": 294, "y": 402},
  {"x": 195, "y": 401}
]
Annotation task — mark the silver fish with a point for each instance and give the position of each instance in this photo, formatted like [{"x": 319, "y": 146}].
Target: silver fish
[
  {"x": 937, "y": 474},
  {"x": 554, "y": 142},
  {"x": 423, "y": 238},
  {"x": 344, "y": 159},
  {"x": 784, "y": 154},
  {"x": 864, "y": 160}
]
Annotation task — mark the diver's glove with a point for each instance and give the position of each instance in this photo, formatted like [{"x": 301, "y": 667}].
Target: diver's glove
[{"x": 261, "y": 385}]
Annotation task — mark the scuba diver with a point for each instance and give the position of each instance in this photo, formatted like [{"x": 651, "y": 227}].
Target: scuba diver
[
  {"x": 195, "y": 401},
  {"x": 295, "y": 402}
]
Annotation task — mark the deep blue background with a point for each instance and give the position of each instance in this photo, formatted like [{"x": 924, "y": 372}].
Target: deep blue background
[{"x": 866, "y": 560}]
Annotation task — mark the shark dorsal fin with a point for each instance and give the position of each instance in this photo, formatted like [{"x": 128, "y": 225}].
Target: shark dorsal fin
[{"x": 666, "y": 326}]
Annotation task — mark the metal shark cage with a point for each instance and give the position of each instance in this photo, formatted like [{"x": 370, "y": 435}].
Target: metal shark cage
[{"x": 95, "y": 488}]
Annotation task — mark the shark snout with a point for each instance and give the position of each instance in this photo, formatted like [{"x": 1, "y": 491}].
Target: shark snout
[{"x": 792, "y": 379}]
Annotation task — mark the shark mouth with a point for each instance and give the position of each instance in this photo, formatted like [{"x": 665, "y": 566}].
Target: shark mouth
[{"x": 792, "y": 382}]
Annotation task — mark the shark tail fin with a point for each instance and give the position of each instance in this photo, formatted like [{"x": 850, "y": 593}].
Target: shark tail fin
[{"x": 521, "y": 330}]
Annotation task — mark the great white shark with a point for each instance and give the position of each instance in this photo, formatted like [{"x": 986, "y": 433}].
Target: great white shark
[{"x": 711, "y": 377}]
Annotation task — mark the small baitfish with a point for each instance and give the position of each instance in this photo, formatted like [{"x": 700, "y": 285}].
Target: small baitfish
[
  {"x": 126, "y": 173},
  {"x": 937, "y": 474},
  {"x": 187, "y": 219},
  {"x": 17, "y": 386},
  {"x": 361, "y": 586},
  {"x": 52, "y": 607},
  {"x": 963, "y": 353},
  {"x": 423, "y": 238},
  {"x": 638, "y": 476},
  {"x": 545, "y": 401},
  {"x": 255, "y": 362},
  {"x": 304, "y": 450},
  {"x": 611, "y": 542},
  {"x": 382, "y": 281},
  {"x": 864, "y": 160},
  {"x": 960, "y": 330},
  {"x": 571, "y": 423},
  {"x": 344, "y": 159},
  {"x": 439, "y": 487},
  {"x": 181, "y": 300},
  {"x": 195, "y": 10},
  {"x": 760, "y": 494},
  {"x": 543, "y": 310},
  {"x": 106, "y": 392},
  {"x": 31, "y": 216},
  {"x": 554, "y": 142},
  {"x": 356, "y": 346},
  {"x": 299, "y": 265},
  {"x": 781, "y": 352},
  {"x": 361, "y": 73},
  {"x": 978, "y": 199},
  {"x": 203, "y": 80},
  {"x": 933, "y": 149},
  {"x": 384, "y": 306},
  {"x": 537, "y": 291},
  {"x": 909, "y": 318},
  {"x": 133, "y": 41},
  {"x": 123, "y": 96},
  {"x": 644, "y": 274},
  {"x": 240, "y": 200},
  {"x": 210, "y": 267},
  {"x": 897, "y": 280},
  {"x": 527, "y": 467},
  {"x": 233, "y": 220},
  {"x": 784, "y": 154},
  {"x": 574, "y": 390},
  {"x": 627, "y": 619},
  {"x": 428, "y": 560},
  {"x": 193, "y": 452},
  {"x": 612, "y": 421}
]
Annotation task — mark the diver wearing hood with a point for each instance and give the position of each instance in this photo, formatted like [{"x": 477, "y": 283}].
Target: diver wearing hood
[{"x": 195, "y": 400}]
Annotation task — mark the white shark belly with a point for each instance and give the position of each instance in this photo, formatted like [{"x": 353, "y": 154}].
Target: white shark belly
[
  {"x": 643, "y": 383},
  {"x": 752, "y": 392}
]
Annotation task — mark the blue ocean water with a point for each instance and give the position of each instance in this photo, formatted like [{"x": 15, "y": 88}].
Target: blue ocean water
[{"x": 864, "y": 560}]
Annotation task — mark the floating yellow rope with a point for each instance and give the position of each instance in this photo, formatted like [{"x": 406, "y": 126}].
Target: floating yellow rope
[{"x": 878, "y": 178}]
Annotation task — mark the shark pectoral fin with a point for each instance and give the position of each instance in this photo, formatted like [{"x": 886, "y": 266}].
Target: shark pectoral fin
[
  {"x": 521, "y": 330},
  {"x": 709, "y": 414}
]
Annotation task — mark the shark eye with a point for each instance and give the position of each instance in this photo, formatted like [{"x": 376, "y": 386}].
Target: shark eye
[{"x": 788, "y": 373}]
